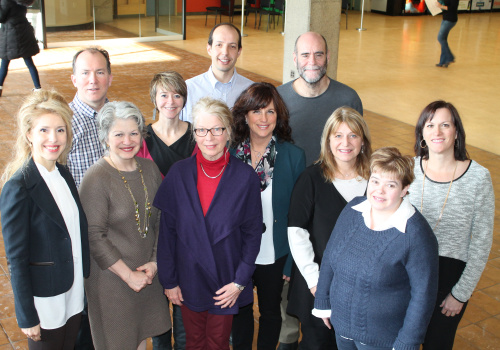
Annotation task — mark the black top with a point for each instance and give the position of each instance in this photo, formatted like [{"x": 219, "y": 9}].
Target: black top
[
  {"x": 165, "y": 156},
  {"x": 315, "y": 206},
  {"x": 451, "y": 14}
]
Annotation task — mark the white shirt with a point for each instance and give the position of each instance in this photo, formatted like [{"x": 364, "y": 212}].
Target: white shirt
[
  {"x": 207, "y": 85},
  {"x": 266, "y": 252},
  {"x": 350, "y": 189},
  {"x": 397, "y": 220},
  {"x": 55, "y": 311}
]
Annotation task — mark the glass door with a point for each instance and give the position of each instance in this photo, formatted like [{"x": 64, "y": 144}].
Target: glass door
[{"x": 83, "y": 22}]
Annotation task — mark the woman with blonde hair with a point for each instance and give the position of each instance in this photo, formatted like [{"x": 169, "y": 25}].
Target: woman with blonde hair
[
  {"x": 319, "y": 195},
  {"x": 44, "y": 226}
]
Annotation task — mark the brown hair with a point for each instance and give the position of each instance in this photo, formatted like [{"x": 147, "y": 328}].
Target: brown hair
[
  {"x": 170, "y": 81},
  {"x": 427, "y": 114},
  {"x": 93, "y": 50},
  {"x": 257, "y": 96},
  {"x": 389, "y": 160}
]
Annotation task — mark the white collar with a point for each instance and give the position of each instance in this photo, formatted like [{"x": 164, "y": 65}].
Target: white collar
[{"x": 397, "y": 220}]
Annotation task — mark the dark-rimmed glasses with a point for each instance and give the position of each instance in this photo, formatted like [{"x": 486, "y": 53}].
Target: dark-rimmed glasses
[{"x": 214, "y": 131}]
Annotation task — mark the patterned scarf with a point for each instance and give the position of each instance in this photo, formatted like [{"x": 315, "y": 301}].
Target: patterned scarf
[{"x": 265, "y": 167}]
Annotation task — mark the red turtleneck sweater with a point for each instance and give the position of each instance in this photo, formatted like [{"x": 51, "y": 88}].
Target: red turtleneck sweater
[{"x": 207, "y": 186}]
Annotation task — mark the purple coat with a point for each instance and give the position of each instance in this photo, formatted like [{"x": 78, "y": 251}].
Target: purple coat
[{"x": 201, "y": 254}]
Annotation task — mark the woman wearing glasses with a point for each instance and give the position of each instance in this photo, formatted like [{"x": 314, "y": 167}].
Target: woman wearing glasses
[{"x": 210, "y": 231}]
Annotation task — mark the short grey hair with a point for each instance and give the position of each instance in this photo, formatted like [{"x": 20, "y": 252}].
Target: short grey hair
[
  {"x": 217, "y": 108},
  {"x": 111, "y": 112}
]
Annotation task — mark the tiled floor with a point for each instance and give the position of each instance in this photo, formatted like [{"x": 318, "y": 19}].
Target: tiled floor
[{"x": 133, "y": 67}]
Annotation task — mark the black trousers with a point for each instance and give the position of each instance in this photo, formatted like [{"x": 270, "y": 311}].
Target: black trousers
[
  {"x": 269, "y": 282},
  {"x": 442, "y": 329},
  {"x": 316, "y": 335},
  {"x": 62, "y": 338}
]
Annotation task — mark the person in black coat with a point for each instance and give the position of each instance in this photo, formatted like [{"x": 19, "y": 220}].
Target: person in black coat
[
  {"x": 44, "y": 226},
  {"x": 17, "y": 38}
]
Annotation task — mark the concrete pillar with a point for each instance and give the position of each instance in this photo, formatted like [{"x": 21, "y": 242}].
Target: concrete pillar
[{"x": 322, "y": 16}]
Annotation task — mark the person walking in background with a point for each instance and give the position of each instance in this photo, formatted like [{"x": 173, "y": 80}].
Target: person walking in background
[
  {"x": 44, "y": 226},
  {"x": 456, "y": 196},
  {"x": 450, "y": 18},
  {"x": 126, "y": 304},
  {"x": 17, "y": 38},
  {"x": 263, "y": 140}
]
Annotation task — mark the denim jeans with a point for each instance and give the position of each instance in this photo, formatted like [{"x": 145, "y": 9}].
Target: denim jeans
[
  {"x": 4, "y": 67},
  {"x": 164, "y": 341},
  {"x": 446, "y": 55}
]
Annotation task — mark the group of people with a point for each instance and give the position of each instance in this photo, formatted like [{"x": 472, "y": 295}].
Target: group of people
[{"x": 238, "y": 185}]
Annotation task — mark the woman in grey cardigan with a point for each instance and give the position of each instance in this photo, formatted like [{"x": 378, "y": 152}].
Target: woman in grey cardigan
[{"x": 455, "y": 195}]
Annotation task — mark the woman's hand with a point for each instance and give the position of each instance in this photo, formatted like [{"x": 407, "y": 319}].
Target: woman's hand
[
  {"x": 286, "y": 278},
  {"x": 34, "y": 333},
  {"x": 137, "y": 280},
  {"x": 313, "y": 290},
  {"x": 175, "y": 295},
  {"x": 451, "y": 306},
  {"x": 326, "y": 320},
  {"x": 150, "y": 270},
  {"x": 227, "y": 295}
]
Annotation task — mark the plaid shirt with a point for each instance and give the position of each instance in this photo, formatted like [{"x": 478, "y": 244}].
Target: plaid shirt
[{"x": 86, "y": 148}]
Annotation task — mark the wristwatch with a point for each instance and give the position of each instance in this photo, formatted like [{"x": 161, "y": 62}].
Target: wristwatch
[{"x": 239, "y": 286}]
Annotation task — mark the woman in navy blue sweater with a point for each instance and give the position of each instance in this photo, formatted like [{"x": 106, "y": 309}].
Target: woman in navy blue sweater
[{"x": 378, "y": 279}]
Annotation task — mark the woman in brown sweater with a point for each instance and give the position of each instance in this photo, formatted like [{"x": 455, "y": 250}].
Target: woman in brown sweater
[{"x": 126, "y": 302}]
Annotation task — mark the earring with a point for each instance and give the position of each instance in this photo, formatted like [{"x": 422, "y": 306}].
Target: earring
[
  {"x": 362, "y": 151},
  {"x": 246, "y": 121},
  {"x": 425, "y": 145}
]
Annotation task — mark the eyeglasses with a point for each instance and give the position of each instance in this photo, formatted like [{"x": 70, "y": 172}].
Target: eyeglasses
[{"x": 203, "y": 132}]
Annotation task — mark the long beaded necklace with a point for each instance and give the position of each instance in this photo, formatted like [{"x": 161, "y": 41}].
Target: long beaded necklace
[
  {"x": 147, "y": 206},
  {"x": 447, "y": 194}
]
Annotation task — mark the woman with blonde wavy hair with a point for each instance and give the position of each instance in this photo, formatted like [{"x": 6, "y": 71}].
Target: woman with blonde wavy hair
[
  {"x": 44, "y": 226},
  {"x": 319, "y": 195}
]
